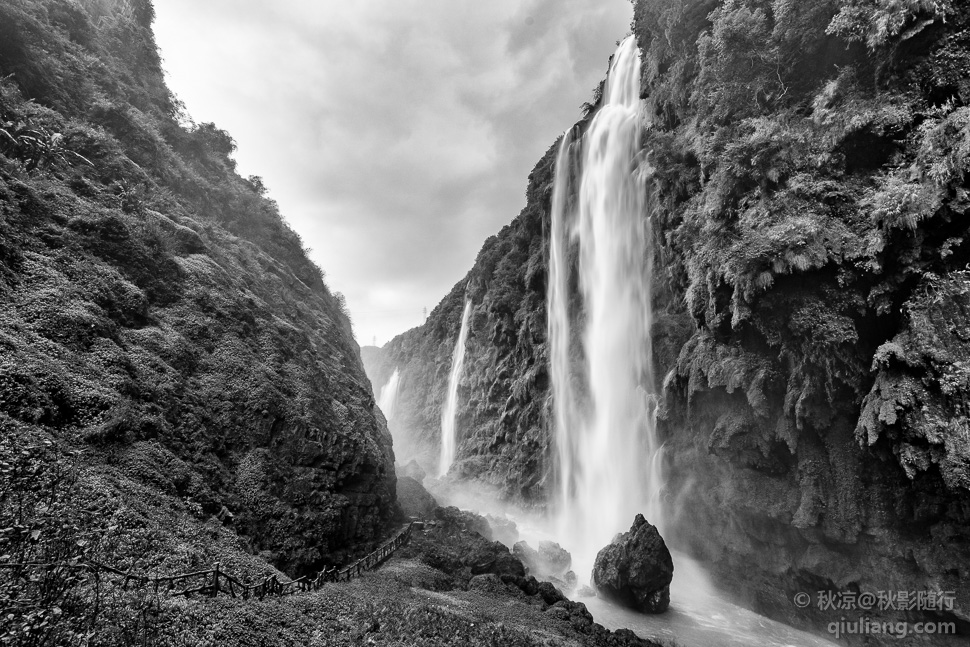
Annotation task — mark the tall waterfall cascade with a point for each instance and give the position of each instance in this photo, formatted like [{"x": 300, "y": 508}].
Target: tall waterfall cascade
[
  {"x": 450, "y": 410},
  {"x": 388, "y": 396},
  {"x": 604, "y": 392}
]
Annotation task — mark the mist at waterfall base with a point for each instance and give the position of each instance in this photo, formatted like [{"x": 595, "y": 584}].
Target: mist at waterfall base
[{"x": 699, "y": 614}]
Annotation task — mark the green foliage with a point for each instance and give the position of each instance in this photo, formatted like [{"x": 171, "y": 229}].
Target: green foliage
[
  {"x": 811, "y": 164},
  {"x": 36, "y": 147},
  {"x": 47, "y": 537},
  {"x": 877, "y": 22},
  {"x": 739, "y": 69},
  {"x": 919, "y": 400},
  {"x": 898, "y": 203},
  {"x": 155, "y": 305}
]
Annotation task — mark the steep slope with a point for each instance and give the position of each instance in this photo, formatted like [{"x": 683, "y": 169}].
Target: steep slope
[
  {"x": 157, "y": 311},
  {"x": 809, "y": 165}
]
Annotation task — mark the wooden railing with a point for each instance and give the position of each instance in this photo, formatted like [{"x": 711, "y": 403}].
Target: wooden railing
[{"x": 215, "y": 580}]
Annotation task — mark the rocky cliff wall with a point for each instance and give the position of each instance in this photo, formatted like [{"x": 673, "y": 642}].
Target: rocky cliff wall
[
  {"x": 810, "y": 169},
  {"x": 155, "y": 309},
  {"x": 502, "y": 393}
]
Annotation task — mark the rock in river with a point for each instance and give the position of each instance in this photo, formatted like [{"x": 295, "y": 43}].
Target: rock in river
[{"x": 636, "y": 568}]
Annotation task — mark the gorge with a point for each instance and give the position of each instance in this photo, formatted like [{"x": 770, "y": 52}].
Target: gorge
[
  {"x": 805, "y": 188},
  {"x": 736, "y": 302}
]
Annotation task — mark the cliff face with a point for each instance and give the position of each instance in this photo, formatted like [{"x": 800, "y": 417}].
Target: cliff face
[
  {"x": 502, "y": 407},
  {"x": 154, "y": 307},
  {"x": 810, "y": 163},
  {"x": 810, "y": 170}
]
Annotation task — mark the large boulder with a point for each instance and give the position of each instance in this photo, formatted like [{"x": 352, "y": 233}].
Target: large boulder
[{"x": 636, "y": 568}]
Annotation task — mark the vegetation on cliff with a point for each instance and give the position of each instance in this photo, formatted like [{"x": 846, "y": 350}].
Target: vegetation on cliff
[
  {"x": 502, "y": 409},
  {"x": 808, "y": 162},
  {"x": 162, "y": 333}
]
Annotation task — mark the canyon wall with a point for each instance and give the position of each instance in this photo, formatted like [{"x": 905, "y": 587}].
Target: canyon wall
[
  {"x": 502, "y": 406},
  {"x": 155, "y": 310},
  {"x": 809, "y": 167}
]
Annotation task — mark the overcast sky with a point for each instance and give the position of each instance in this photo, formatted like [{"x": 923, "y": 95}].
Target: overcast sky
[{"x": 396, "y": 135}]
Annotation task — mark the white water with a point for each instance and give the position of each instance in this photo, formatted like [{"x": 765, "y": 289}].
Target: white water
[
  {"x": 448, "y": 413},
  {"x": 557, "y": 308},
  {"x": 604, "y": 393},
  {"x": 388, "y": 396},
  {"x": 699, "y": 617},
  {"x": 608, "y": 452}
]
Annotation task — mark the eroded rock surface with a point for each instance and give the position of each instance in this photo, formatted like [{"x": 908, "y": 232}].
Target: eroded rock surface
[{"x": 636, "y": 568}]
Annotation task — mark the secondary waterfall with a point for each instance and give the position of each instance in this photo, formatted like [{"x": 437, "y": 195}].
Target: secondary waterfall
[
  {"x": 388, "y": 396},
  {"x": 450, "y": 410},
  {"x": 607, "y": 447}
]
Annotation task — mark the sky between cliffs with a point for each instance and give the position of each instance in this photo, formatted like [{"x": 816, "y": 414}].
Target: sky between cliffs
[{"x": 396, "y": 135}]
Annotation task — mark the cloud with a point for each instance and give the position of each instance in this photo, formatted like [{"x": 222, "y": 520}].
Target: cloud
[{"x": 397, "y": 135}]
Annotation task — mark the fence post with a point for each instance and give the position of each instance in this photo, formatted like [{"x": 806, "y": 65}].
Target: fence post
[{"x": 215, "y": 579}]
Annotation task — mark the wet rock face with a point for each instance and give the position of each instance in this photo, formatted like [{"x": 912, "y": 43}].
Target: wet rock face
[
  {"x": 502, "y": 404},
  {"x": 636, "y": 568}
]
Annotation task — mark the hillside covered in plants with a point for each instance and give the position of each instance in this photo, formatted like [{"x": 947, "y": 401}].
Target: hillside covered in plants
[
  {"x": 168, "y": 354},
  {"x": 808, "y": 166}
]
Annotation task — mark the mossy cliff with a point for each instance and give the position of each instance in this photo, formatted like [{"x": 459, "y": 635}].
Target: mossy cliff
[
  {"x": 810, "y": 165},
  {"x": 157, "y": 312}
]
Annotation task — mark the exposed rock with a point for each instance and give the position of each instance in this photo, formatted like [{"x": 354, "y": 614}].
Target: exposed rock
[
  {"x": 451, "y": 517},
  {"x": 459, "y": 543},
  {"x": 636, "y": 568},
  {"x": 470, "y": 562},
  {"x": 414, "y": 500},
  {"x": 550, "y": 561},
  {"x": 503, "y": 529},
  {"x": 493, "y": 557}
]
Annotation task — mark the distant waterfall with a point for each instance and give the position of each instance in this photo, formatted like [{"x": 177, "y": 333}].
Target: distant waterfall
[
  {"x": 450, "y": 410},
  {"x": 388, "y": 397},
  {"x": 607, "y": 448}
]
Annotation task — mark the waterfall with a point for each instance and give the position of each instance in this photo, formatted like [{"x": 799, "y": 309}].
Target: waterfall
[
  {"x": 558, "y": 328},
  {"x": 388, "y": 397},
  {"x": 607, "y": 448},
  {"x": 450, "y": 410}
]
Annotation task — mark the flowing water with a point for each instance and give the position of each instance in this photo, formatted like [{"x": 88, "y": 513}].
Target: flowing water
[
  {"x": 388, "y": 396},
  {"x": 699, "y": 617},
  {"x": 607, "y": 448},
  {"x": 559, "y": 333},
  {"x": 450, "y": 410},
  {"x": 605, "y": 396}
]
